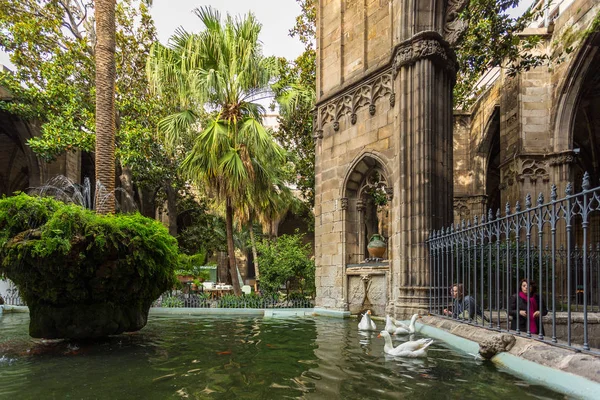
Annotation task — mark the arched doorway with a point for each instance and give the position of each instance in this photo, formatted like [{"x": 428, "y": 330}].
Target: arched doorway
[
  {"x": 585, "y": 134},
  {"x": 492, "y": 171},
  {"x": 19, "y": 167}
]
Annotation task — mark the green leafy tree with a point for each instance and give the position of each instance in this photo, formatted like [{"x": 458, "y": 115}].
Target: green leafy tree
[
  {"x": 52, "y": 45},
  {"x": 221, "y": 69},
  {"x": 295, "y": 95},
  {"x": 287, "y": 262},
  {"x": 491, "y": 39}
]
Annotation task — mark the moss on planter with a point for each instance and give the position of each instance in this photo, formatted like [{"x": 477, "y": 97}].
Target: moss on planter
[{"x": 83, "y": 274}]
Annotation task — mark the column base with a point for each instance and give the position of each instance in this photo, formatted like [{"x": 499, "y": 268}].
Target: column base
[{"x": 411, "y": 300}]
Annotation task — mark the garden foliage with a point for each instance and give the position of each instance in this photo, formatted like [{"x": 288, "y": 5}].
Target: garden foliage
[{"x": 286, "y": 262}]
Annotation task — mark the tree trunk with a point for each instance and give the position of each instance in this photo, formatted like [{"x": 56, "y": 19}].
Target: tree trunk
[
  {"x": 147, "y": 199},
  {"x": 231, "y": 248},
  {"x": 171, "y": 208},
  {"x": 105, "y": 105},
  {"x": 254, "y": 253},
  {"x": 127, "y": 201}
]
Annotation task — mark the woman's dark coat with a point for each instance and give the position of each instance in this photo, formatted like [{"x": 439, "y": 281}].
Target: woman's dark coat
[{"x": 523, "y": 307}]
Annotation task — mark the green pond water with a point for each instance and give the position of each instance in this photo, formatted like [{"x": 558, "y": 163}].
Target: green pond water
[{"x": 207, "y": 357}]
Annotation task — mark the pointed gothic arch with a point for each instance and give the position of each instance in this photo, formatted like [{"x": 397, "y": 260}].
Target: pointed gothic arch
[{"x": 367, "y": 193}]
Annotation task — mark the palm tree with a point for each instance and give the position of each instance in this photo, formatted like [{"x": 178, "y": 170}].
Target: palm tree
[
  {"x": 105, "y": 103},
  {"x": 220, "y": 69}
]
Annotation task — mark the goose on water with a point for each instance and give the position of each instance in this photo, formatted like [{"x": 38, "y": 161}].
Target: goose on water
[
  {"x": 411, "y": 349},
  {"x": 404, "y": 330},
  {"x": 389, "y": 325},
  {"x": 366, "y": 323}
]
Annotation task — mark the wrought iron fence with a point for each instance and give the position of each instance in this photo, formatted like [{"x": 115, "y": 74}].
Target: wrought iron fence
[
  {"x": 177, "y": 298},
  {"x": 553, "y": 245}
]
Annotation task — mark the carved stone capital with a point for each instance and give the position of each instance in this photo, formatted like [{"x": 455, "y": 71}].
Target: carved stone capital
[
  {"x": 361, "y": 205},
  {"x": 344, "y": 202},
  {"x": 426, "y": 45}
]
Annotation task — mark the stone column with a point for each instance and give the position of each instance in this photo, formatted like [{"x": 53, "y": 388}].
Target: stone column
[
  {"x": 425, "y": 69},
  {"x": 344, "y": 203},
  {"x": 360, "y": 209}
]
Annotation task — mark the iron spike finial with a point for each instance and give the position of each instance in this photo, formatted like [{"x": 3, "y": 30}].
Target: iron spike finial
[
  {"x": 586, "y": 181},
  {"x": 518, "y": 206},
  {"x": 464, "y": 224},
  {"x": 498, "y": 213},
  {"x": 553, "y": 194},
  {"x": 507, "y": 208},
  {"x": 469, "y": 223},
  {"x": 490, "y": 214},
  {"x": 528, "y": 201},
  {"x": 475, "y": 221},
  {"x": 447, "y": 230},
  {"x": 540, "y": 199},
  {"x": 569, "y": 189}
]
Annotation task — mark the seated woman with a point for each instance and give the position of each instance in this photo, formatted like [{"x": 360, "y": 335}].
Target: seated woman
[{"x": 528, "y": 289}]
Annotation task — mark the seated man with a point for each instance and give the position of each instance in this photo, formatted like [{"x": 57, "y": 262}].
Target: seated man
[{"x": 464, "y": 307}]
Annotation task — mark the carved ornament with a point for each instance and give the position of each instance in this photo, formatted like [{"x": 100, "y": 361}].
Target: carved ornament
[
  {"x": 349, "y": 103},
  {"x": 461, "y": 208},
  {"x": 454, "y": 27},
  {"x": 526, "y": 168},
  {"x": 425, "y": 45},
  {"x": 560, "y": 159}
]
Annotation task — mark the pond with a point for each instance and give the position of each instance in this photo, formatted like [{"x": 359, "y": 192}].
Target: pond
[{"x": 208, "y": 357}]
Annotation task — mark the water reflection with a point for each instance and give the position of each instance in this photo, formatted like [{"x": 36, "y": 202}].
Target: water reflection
[{"x": 247, "y": 358}]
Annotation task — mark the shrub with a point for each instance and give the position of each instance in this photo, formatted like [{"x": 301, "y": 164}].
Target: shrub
[
  {"x": 172, "y": 302},
  {"x": 287, "y": 262}
]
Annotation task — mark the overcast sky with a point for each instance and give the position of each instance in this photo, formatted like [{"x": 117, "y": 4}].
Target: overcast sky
[{"x": 276, "y": 16}]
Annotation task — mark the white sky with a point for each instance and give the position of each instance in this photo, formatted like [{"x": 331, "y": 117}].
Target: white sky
[{"x": 276, "y": 16}]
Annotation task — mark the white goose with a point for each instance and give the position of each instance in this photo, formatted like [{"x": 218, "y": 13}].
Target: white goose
[
  {"x": 389, "y": 325},
  {"x": 404, "y": 330},
  {"x": 412, "y": 349},
  {"x": 398, "y": 323},
  {"x": 366, "y": 323}
]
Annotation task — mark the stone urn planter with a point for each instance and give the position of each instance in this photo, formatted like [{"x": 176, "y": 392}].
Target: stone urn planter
[
  {"x": 83, "y": 275},
  {"x": 376, "y": 246}
]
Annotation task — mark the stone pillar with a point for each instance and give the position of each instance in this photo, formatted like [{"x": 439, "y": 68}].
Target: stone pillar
[{"x": 424, "y": 91}]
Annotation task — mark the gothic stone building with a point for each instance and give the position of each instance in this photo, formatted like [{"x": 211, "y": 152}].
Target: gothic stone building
[{"x": 393, "y": 158}]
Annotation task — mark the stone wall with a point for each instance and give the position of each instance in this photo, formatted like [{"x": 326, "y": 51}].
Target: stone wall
[
  {"x": 383, "y": 123},
  {"x": 538, "y": 120}
]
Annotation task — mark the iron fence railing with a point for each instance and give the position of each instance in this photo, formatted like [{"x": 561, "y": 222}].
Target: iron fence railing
[
  {"x": 177, "y": 298},
  {"x": 552, "y": 245}
]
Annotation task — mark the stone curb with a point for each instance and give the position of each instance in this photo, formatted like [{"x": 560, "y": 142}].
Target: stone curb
[{"x": 568, "y": 361}]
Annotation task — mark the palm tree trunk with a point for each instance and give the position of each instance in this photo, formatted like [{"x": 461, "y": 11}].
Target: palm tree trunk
[
  {"x": 105, "y": 104},
  {"x": 231, "y": 248}
]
